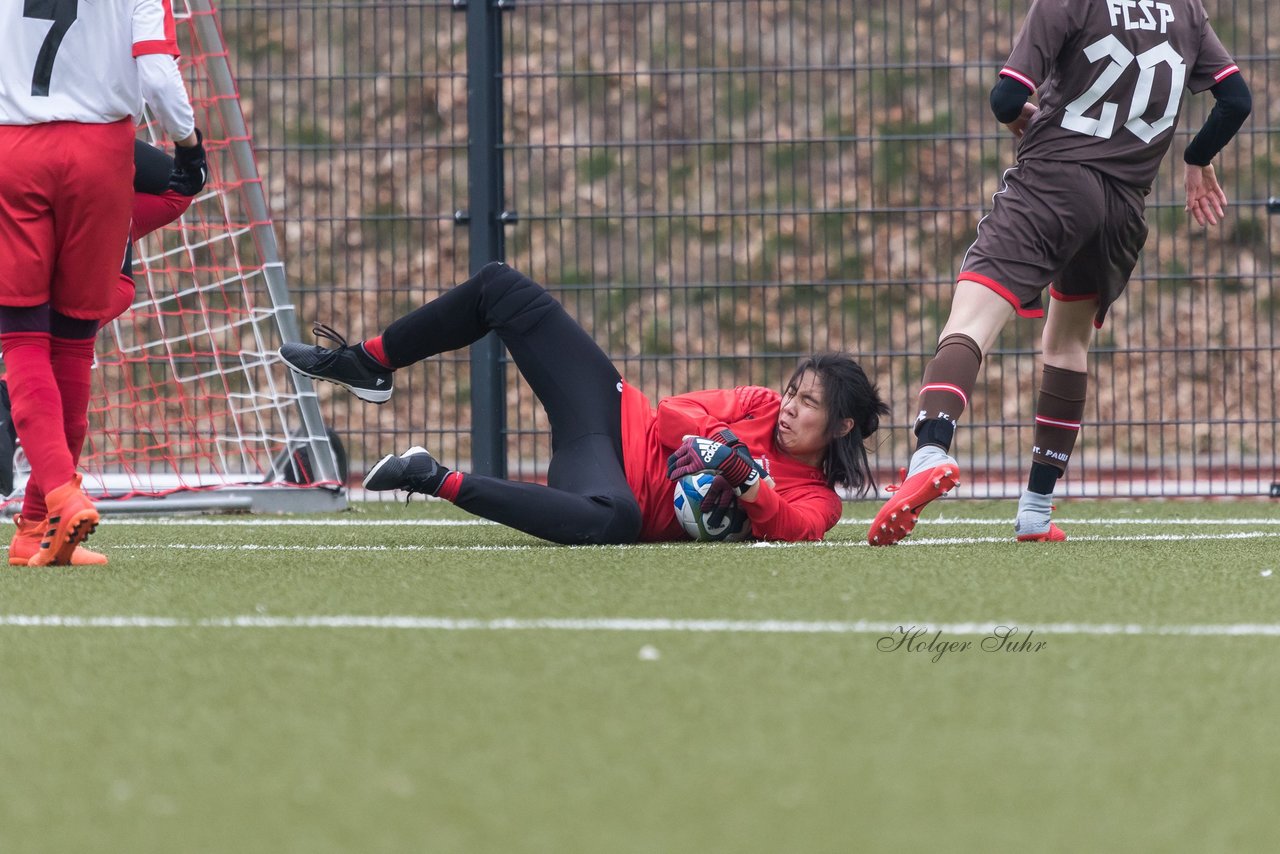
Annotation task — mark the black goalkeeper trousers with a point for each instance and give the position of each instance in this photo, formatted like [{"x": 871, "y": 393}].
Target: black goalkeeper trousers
[{"x": 586, "y": 499}]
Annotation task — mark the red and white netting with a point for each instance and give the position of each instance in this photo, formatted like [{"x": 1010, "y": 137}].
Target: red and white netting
[{"x": 188, "y": 390}]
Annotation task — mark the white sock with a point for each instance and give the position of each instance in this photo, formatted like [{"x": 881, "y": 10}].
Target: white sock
[
  {"x": 928, "y": 456},
  {"x": 1033, "y": 513}
]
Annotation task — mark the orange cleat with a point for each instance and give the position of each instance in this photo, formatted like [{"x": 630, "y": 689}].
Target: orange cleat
[
  {"x": 72, "y": 518},
  {"x": 1053, "y": 535},
  {"x": 897, "y": 518},
  {"x": 26, "y": 542}
]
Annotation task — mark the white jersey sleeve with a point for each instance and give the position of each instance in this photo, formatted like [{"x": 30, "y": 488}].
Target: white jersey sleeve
[
  {"x": 74, "y": 60},
  {"x": 166, "y": 94}
]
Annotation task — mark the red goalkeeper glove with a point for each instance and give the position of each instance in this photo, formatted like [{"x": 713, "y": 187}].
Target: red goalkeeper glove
[
  {"x": 717, "y": 500},
  {"x": 727, "y": 457}
]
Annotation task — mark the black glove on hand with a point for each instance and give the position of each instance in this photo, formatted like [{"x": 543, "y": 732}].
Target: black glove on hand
[{"x": 190, "y": 169}]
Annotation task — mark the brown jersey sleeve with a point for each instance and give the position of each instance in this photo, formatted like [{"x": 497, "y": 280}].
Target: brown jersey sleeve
[
  {"x": 1049, "y": 25},
  {"x": 1213, "y": 63}
]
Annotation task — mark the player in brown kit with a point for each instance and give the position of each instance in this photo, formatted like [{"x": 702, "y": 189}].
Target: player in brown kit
[{"x": 1110, "y": 76}]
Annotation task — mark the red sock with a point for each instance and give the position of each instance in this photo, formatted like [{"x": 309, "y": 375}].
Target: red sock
[
  {"x": 33, "y": 506},
  {"x": 37, "y": 407},
  {"x": 72, "y": 362},
  {"x": 449, "y": 488},
  {"x": 70, "y": 359},
  {"x": 373, "y": 346}
]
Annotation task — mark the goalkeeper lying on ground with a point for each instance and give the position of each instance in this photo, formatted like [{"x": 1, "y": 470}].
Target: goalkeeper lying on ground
[{"x": 613, "y": 455}]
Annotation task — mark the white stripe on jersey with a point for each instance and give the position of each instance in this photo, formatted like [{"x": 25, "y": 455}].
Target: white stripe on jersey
[{"x": 76, "y": 63}]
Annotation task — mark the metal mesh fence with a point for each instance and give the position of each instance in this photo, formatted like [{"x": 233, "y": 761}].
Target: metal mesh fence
[
  {"x": 717, "y": 188},
  {"x": 358, "y": 113}
]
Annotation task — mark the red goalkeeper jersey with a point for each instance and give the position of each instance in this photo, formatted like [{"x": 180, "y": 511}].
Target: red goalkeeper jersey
[{"x": 795, "y": 503}]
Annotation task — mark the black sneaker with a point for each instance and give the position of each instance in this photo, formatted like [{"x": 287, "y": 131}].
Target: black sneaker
[
  {"x": 413, "y": 471},
  {"x": 8, "y": 440},
  {"x": 346, "y": 366}
]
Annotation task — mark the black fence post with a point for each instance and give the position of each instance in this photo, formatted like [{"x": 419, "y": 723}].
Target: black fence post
[{"x": 485, "y": 178}]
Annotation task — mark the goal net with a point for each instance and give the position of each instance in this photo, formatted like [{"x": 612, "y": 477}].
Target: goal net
[{"x": 191, "y": 407}]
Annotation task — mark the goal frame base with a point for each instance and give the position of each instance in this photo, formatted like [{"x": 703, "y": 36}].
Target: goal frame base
[{"x": 232, "y": 499}]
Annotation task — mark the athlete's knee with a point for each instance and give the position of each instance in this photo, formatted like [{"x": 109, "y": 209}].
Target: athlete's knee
[
  {"x": 496, "y": 280},
  {"x": 1068, "y": 333},
  {"x": 509, "y": 298},
  {"x": 978, "y": 312},
  {"x": 1064, "y": 347}
]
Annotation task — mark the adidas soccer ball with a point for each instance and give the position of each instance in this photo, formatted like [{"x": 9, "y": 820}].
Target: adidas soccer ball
[{"x": 687, "y": 501}]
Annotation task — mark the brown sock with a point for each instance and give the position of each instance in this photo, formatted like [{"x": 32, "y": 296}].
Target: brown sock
[
  {"x": 1058, "y": 414},
  {"x": 949, "y": 380}
]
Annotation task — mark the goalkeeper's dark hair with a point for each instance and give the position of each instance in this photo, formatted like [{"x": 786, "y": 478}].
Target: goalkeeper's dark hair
[{"x": 849, "y": 393}]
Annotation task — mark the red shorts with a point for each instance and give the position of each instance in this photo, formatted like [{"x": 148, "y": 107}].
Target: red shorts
[{"x": 66, "y": 196}]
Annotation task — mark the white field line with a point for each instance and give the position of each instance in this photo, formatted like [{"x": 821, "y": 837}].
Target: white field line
[
  {"x": 1270, "y": 521},
  {"x": 893, "y": 629},
  {"x": 927, "y": 541}
]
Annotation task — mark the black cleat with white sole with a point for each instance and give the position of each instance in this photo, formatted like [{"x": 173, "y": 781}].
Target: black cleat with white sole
[
  {"x": 347, "y": 366},
  {"x": 413, "y": 471}
]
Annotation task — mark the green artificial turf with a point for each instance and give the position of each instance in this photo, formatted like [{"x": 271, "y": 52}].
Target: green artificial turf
[{"x": 188, "y": 732}]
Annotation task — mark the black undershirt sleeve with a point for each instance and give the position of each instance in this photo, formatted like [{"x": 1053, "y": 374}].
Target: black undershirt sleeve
[
  {"x": 1007, "y": 99},
  {"x": 1232, "y": 106}
]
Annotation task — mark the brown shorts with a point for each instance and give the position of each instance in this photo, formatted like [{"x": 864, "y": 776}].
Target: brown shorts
[
  {"x": 1062, "y": 225},
  {"x": 66, "y": 195}
]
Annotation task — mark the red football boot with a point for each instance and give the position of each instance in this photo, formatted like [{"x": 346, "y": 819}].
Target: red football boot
[
  {"x": 1053, "y": 535},
  {"x": 26, "y": 542},
  {"x": 72, "y": 518},
  {"x": 898, "y": 517},
  {"x": 1032, "y": 524}
]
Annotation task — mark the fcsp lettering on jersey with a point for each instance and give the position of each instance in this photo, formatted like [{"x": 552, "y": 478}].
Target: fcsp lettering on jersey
[{"x": 1140, "y": 14}]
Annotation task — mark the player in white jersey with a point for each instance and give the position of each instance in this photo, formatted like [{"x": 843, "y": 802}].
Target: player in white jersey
[{"x": 73, "y": 77}]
